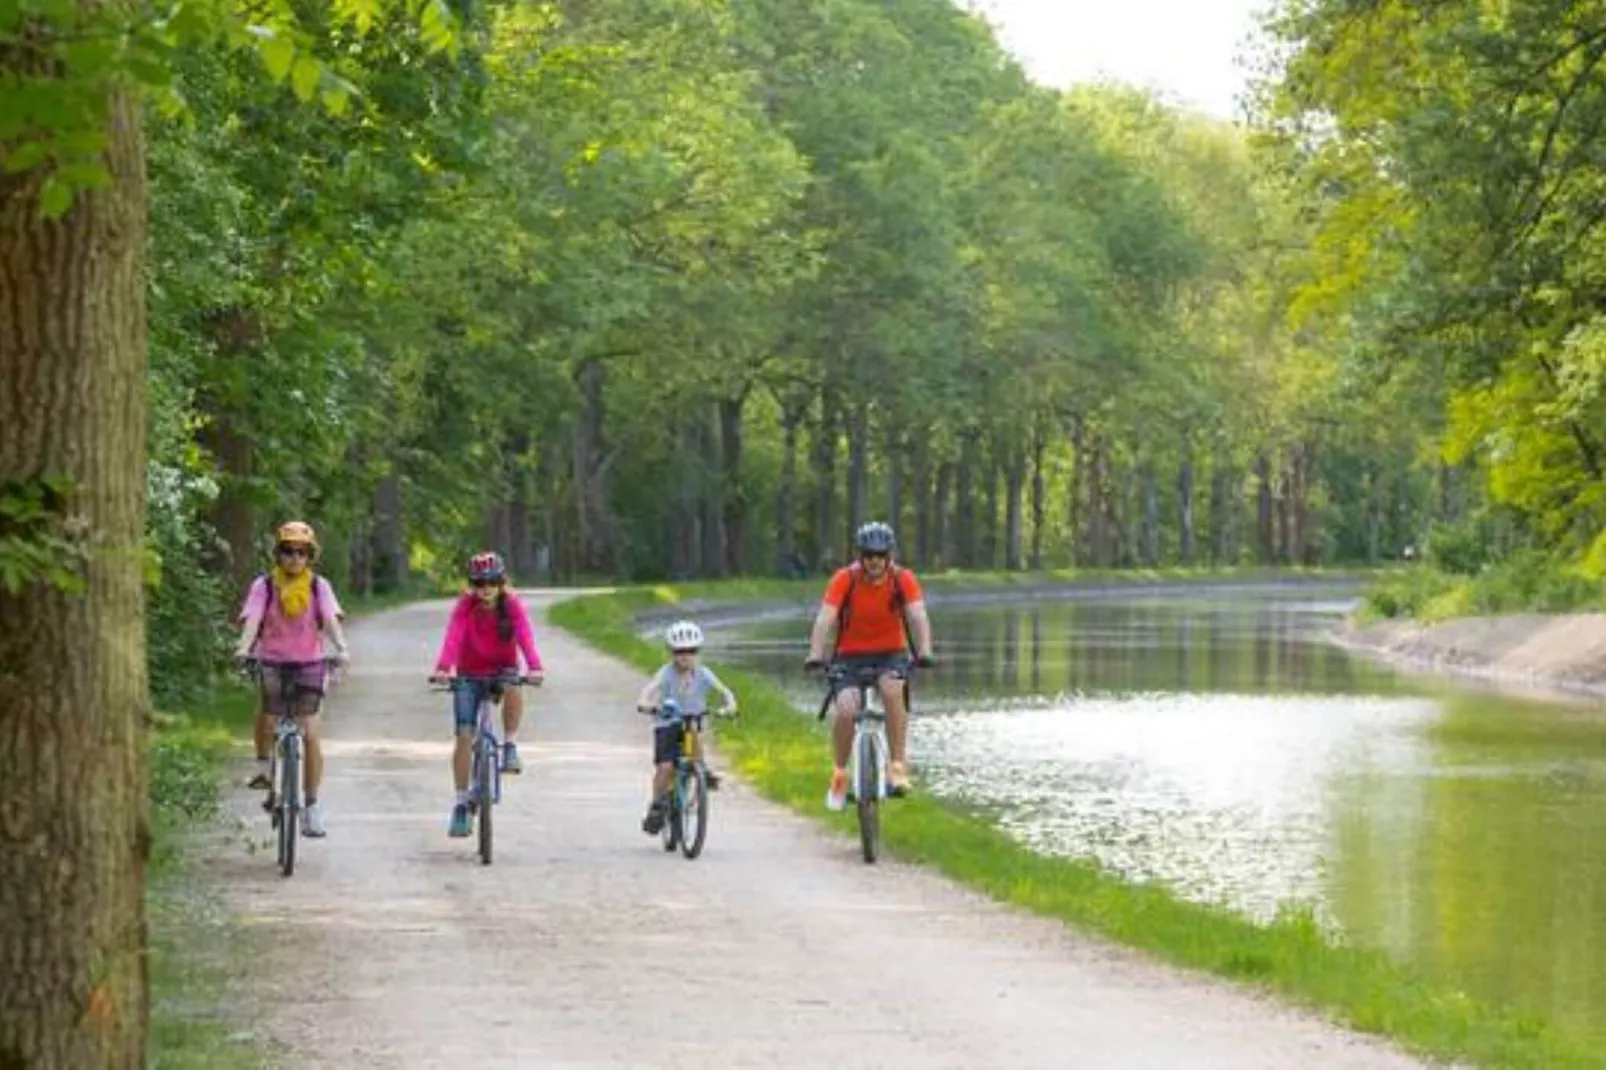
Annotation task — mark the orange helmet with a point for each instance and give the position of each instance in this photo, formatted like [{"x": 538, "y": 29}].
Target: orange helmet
[{"x": 295, "y": 533}]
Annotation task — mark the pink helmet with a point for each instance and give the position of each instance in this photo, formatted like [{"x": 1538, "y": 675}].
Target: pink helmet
[{"x": 486, "y": 566}]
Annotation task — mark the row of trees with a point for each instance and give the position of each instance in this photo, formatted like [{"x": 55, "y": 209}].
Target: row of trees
[{"x": 692, "y": 289}]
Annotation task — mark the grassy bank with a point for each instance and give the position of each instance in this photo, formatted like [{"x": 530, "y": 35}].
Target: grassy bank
[
  {"x": 1521, "y": 584},
  {"x": 782, "y": 753},
  {"x": 196, "y": 1023}
]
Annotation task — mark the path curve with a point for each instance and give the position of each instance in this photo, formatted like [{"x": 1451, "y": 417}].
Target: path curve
[{"x": 584, "y": 945}]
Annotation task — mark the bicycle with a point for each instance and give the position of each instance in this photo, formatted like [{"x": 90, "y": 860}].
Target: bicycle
[
  {"x": 867, "y": 760},
  {"x": 485, "y": 773},
  {"x": 283, "y": 803},
  {"x": 688, "y": 791}
]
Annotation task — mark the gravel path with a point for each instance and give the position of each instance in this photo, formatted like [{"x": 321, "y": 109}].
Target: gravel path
[{"x": 584, "y": 945}]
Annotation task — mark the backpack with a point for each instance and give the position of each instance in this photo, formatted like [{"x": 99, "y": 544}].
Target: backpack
[
  {"x": 895, "y": 576},
  {"x": 317, "y": 596}
]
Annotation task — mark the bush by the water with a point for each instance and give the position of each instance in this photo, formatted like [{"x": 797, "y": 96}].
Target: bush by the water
[{"x": 1526, "y": 582}]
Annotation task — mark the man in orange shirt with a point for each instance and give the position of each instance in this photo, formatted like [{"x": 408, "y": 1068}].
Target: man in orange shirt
[{"x": 871, "y": 607}]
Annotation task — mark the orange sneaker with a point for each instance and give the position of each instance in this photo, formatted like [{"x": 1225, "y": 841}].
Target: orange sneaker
[{"x": 837, "y": 797}]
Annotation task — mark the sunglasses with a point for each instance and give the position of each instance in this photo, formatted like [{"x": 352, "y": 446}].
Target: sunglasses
[
  {"x": 692, "y": 650},
  {"x": 294, "y": 551},
  {"x": 485, "y": 583},
  {"x": 874, "y": 556}
]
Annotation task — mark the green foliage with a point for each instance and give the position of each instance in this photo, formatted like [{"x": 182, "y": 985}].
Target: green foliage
[{"x": 40, "y": 539}]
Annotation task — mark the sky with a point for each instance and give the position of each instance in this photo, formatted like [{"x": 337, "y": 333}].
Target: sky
[{"x": 1186, "y": 49}]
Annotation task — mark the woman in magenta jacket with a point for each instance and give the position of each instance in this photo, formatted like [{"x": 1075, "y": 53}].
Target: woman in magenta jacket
[{"x": 488, "y": 630}]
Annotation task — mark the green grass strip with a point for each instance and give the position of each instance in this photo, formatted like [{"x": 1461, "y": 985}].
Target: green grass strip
[{"x": 784, "y": 755}]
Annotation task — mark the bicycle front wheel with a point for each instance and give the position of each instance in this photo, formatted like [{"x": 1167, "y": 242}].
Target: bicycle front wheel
[
  {"x": 867, "y": 793},
  {"x": 694, "y": 812},
  {"x": 485, "y": 774},
  {"x": 289, "y": 806}
]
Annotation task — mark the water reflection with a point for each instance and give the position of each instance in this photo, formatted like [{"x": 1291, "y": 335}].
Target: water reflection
[{"x": 1224, "y": 747}]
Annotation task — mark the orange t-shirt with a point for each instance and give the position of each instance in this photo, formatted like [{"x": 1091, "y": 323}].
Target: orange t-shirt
[{"x": 874, "y": 624}]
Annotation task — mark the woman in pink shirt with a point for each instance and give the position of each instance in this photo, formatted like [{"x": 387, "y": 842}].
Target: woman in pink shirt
[
  {"x": 286, "y": 615},
  {"x": 487, "y": 631}
]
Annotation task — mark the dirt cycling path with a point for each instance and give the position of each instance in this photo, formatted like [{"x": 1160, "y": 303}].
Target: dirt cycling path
[{"x": 584, "y": 945}]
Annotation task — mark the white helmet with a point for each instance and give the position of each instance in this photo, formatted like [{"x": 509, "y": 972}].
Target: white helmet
[{"x": 683, "y": 635}]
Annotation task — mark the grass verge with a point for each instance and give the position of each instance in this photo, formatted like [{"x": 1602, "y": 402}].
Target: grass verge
[
  {"x": 780, "y": 752},
  {"x": 1523, "y": 583},
  {"x": 194, "y": 948}
]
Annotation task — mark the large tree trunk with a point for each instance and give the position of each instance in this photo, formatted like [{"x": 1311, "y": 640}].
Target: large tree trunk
[
  {"x": 923, "y": 503},
  {"x": 858, "y": 466},
  {"x": 711, "y": 522},
  {"x": 786, "y": 494},
  {"x": 593, "y": 501},
  {"x": 942, "y": 536},
  {"x": 895, "y": 482},
  {"x": 1185, "y": 532},
  {"x": 967, "y": 502},
  {"x": 1014, "y": 489},
  {"x": 828, "y": 547},
  {"x": 1151, "y": 517},
  {"x": 1263, "y": 525},
  {"x": 1078, "y": 484},
  {"x": 1098, "y": 510},
  {"x": 233, "y": 513},
  {"x": 73, "y": 833},
  {"x": 1039, "y": 495},
  {"x": 389, "y": 561},
  {"x": 730, "y": 477}
]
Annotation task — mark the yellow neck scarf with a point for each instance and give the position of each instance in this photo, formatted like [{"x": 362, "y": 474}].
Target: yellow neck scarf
[{"x": 295, "y": 592}]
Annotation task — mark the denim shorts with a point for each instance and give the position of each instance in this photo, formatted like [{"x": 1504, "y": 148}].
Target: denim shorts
[{"x": 466, "y": 695}]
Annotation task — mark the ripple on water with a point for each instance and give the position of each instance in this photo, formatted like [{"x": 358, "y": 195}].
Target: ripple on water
[{"x": 1222, "y": 797}]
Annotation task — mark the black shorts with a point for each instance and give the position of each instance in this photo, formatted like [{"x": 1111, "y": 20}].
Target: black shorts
[
  {"x": 667, "y": 740},
  {"x": 856, "y": 667}
]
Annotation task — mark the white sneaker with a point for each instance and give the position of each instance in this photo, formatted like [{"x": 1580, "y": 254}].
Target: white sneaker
[{"x": 312, "y": 821}]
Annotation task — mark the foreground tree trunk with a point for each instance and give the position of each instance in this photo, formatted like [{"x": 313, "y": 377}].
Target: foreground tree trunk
[{"x": 73, "y": 835}]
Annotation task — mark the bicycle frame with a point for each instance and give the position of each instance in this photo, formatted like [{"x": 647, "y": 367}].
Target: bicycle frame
[
  {"x": 870, "y": 751},
  {"x": 286, "y": 762},
  {"x": 485, "y": 768}
]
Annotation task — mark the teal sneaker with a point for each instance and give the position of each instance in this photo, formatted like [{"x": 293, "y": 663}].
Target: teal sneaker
[
  {"x": 459, "y": 826},
  {"x": 510, "y": 759}
]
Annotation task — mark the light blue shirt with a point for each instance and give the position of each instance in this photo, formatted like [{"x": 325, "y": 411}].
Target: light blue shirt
[{"x": 690, "y": 690}]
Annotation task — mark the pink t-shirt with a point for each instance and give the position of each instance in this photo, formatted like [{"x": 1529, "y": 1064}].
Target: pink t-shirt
[{"x": 288, "y": 639}]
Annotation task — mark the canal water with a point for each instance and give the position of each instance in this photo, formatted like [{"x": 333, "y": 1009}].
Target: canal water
[{"x": 1223, "y": 745}]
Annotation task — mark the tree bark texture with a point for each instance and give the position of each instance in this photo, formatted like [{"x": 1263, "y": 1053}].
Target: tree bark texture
[
  {"x": 73, "y": 832},
  {"x": 1185, "y": 532},
  {"x": 1039, "y": 496},
  {"x": 730, "y": 477}
]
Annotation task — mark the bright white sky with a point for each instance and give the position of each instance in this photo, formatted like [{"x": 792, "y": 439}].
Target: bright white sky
[{"x": 1188, "y": 50}]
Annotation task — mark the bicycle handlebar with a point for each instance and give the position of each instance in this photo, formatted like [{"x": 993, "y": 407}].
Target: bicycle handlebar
[
  {"x": 866, "y": 676},
  {"x": 457, "y": 682}
]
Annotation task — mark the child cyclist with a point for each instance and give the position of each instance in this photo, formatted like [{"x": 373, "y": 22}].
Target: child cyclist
[
  {"x": 688, "y": 683},
  {"x": 286, "y": 615},
  {"x": 487, "y": 631}
]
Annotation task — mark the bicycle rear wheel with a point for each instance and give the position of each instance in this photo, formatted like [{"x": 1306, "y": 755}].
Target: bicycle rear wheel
[
  {"x": 485, "y": 773},
  {"x": 289, "y": 805},
  {"x": 694, "y": 809},
  {"x": 867, "y": 791}
]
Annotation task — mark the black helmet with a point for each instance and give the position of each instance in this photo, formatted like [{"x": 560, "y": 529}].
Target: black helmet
[{"x": 875, "y": 538}]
